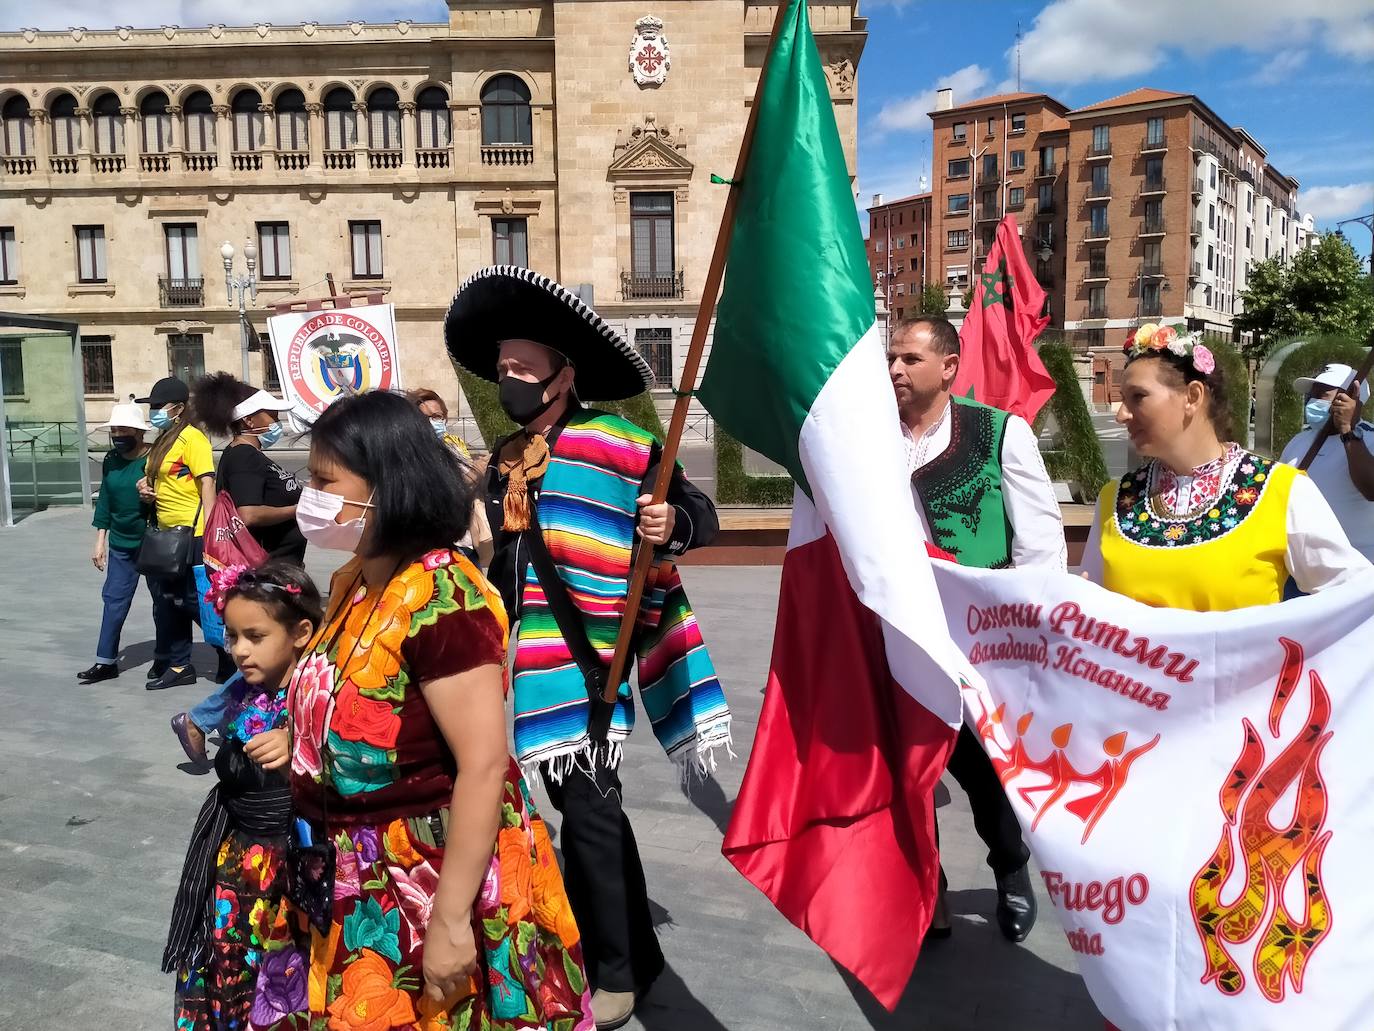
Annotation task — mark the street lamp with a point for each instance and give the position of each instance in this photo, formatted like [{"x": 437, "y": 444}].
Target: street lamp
[{"x": 245, "y": 286}]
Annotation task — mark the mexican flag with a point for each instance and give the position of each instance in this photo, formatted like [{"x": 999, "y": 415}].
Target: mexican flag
[{"x": 834, "y": 821}]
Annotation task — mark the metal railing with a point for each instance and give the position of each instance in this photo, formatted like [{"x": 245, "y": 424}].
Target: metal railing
[
  {"x": 1151, "y": 308},
  {"x": 639, "y": 286},
  {"x": 1099, "y": 192},
  {"x": 1046, "y": 209},
  {"x": 1095, "y": 273},
  {"x": 1043, "y": 171},
  {"x": 1196, "y": 271},
  {"x": 1152, "y": 227},
  {"x": 1152, "y": 186},
  {"x": 1094, "y": 234},
  {"x": 1147, "y": 145},
  {"x": 1100, "y": 150},
  {"x": 1197, "y": 227},
  {"x": 180, "y": 293},
  {"x": 1198, "y": 185},
  {"x": 1148, "y": 270},
  {"x": 1097, "y": 311}
]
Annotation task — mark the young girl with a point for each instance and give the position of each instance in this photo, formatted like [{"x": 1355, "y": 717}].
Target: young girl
[{"x": 233, "y": 958}]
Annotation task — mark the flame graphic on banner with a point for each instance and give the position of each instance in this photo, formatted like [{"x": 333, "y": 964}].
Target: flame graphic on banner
[
  {"x": 1269, "y": 854},
  {"x": 1108, "y": 780}
]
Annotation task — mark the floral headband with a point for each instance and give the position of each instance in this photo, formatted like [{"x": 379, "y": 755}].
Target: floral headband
[
  {"x": 224, "y": 580},
  {"x": 1152, "y": 337}
]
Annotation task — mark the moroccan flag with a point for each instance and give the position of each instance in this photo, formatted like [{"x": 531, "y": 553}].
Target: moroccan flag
[
  {"x": 834, "y": 821},
  {"x": 998, "y": 364}
]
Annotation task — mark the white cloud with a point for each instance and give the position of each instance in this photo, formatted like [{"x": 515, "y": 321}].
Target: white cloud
[
  {"x": 911, "y": 113},
  {"x": 1074, "y": 41},
  {"x": 105, "y": 14},
  {"x": 1326, "y": 203},
  {"x": 1281, "y": 67}
]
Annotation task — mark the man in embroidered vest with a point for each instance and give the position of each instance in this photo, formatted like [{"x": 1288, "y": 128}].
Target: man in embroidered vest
[
  {"x": 984, "y": 497},
  {"x": 578, "y": 481}
]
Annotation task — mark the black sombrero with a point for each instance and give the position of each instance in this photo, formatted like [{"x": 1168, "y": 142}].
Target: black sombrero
[{"x": 505, "y": 302}]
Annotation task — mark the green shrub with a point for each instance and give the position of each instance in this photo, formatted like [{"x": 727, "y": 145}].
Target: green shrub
[
  {"x": 734, "y": 486},
  {"x": 1307, "y": 361},
  {"x": 1078, "y": 456}
]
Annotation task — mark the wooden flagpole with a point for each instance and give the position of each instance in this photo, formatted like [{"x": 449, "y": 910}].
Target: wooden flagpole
[
  {"x": 1329, "y": 429},
  {"x": 705, "y": 310}
]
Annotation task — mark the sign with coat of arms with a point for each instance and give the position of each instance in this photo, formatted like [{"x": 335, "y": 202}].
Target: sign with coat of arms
[
  {"x": 322, "y": 356},
  {"x": 649, "y": 56}
]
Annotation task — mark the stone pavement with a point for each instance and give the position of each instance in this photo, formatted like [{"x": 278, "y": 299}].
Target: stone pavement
[{"x": 96, "y": 803}]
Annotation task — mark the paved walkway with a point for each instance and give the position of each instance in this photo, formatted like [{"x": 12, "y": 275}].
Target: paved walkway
[{"x": 96, "y": 805}]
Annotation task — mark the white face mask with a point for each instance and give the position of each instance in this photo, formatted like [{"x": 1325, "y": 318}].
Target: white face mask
[{"x": 316, "y": 512}]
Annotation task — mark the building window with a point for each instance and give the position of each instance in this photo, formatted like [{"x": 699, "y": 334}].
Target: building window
[
  {"x": 958, "y": 202},
  {"x": 17, "y": 138},
  {"x": 656, "y": 347},
  {"x": 97, "y": 365},
  {"x": 1151, "y": 256},
  {"x": 510, "y": 242},
  {"x": 1018, "y": 121},
  {"x": 1211, "y": 216},
  {"x": 506, "y": 115},
  {"x": 1016, "y": 196},
  {"x": 1154, "y": 213},
  {"x": 960, "y": 132},
  {"x": 651, "y": 235},
  {"x": 990, "y": 166},
  {"x": 9, "y": 256},
  {"x": 1212, "y": 174},
  {"x": 1097, "y": 302},
  {"x": 109, "y": 125},
  {"x": 250, "y": 124},
  {"x": 992, "y": 126},
  {"x": 180, "y": 249},
  {"x": 157, "y": 123},
  {"x": 901, "y": 244},
  {"x": 915, "y": 264},
  {"x": 958, "y": 168},
  {"x": 366, "y": 239},
  {"x": 274, "y": 249},
  {"x": 90, "y": 254},
  {"x": 1154, "y": 131},
  {"x": 1099, "y": 187},
  {"x": 1099, "y": 220},
  {"x": 1102, "y": 143},
  {"x": 384, "y": 119},
  {"x": 1045, "y": 197},
  {"x": 1149, "y": 299},
  {"x": 293, "y": 123},
  {"x": 882, "y": 246},
  {"x": 12, "y": 367},
  {"x": 1047, "y": 159},
  {"x": 432, "y": 113},
  {"x": 271, "y": 378},
  {"x": 1249, "y": 240},
  {"x": 1249, "y": 202},
  {"x": 186, "y": 356},
  {"x": 66, "y": 127},
  {"x": 1097, "y": 262},
  {"x": 1210, "y": 257},
  {"x": 956, "y": 275},
  {"x": 1044, "y": 236},
  {"x": 1154, "y": 171},
  {"x": 340, "y": 120},
  {"x": 1017, "y": 158},
  {"x": 957, "y": 239},
  {"x": 200, "y": 122}
]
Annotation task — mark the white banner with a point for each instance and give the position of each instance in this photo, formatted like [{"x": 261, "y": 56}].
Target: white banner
[
  {"x": 322, "y": 356},
  {"x": 1197, "y": 789}
]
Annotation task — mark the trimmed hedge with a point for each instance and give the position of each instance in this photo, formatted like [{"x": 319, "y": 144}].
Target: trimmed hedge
[
  {"x": 1079, "y": 454},
  {"x": 1306, "y": 361},
  {"x": 734, "y": 486}
]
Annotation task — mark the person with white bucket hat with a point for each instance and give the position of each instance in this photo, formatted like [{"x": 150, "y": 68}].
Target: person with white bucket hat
[
  {"x": 1344, "y": 467},
  {"x": 119, "y": 521}
]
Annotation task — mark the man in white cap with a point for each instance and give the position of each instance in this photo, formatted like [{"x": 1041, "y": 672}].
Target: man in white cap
[{"x": 1344, "y": 467}]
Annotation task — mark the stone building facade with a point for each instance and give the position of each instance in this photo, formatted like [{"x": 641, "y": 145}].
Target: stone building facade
[
  {"x": 899, "y": 251},
  {"x": 397, "y": 157}
]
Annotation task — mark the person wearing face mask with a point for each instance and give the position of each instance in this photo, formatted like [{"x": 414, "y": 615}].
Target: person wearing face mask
[
  {"x": 400, "y": 772},
  {"x": 476, "y": 543},
  {"x": 1344, "y": 467},
  {"x": 432, "y": 407},
  {"x": 180, "y": 485},
  {"x": 568, "y": 496},
  {"x": 120, "y": 519}
]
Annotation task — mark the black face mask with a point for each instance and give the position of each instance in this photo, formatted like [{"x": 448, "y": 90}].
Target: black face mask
[
  {"x": 123, "y": 444},
  {"x": 524, "y": 401}
]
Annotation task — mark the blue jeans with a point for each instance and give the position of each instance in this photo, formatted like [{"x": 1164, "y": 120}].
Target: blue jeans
[
  {"x": 176, "y": 606},
  {"x": 121, "y": 584},
  {"x": 209, "y": 714}
]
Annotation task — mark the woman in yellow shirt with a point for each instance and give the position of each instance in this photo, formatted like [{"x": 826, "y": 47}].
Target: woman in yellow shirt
[
  {"x": 1205, "y": 525},
  {"x": 181, "y": 486}
]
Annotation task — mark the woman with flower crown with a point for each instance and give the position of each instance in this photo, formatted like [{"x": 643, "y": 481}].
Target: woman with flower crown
[{"x": 1205, "y": 525}]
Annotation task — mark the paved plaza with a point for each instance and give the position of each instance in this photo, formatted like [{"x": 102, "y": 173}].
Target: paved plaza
[{"x": 97, "y": 802}]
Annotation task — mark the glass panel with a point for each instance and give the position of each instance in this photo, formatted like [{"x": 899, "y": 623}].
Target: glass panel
[
  {"x": 9, "y": 256},
  {"x": 45, "y": 449},
  {"x": 186, "y": 356},
  {"x": 374, "y": 248},
  {"x": 97, "y": 365}
]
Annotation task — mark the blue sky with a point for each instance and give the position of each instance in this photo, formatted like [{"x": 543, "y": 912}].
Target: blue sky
[
  {"x": 1298, "y": 75},
  {"x": 1301, "y": 83}
]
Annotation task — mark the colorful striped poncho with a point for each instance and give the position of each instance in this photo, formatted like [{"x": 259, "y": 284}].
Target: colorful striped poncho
[{"x": 587, "y": 511}]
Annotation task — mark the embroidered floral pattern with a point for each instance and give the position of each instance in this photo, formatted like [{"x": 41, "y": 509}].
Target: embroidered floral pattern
[{"x": 1223, "y": 505}]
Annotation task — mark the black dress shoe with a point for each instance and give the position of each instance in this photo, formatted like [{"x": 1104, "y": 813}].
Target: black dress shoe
[
  {"x": 100, "y": 671},
  {"x": 173, "y": 678},
  {"x": 158, "y": 668},
  {"x": 225, "y": 668},
  {"x": 1016, "y": 907}
]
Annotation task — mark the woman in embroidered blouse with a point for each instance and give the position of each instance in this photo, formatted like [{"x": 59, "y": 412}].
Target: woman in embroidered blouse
[
  {"x": 1205, "y": 525},
  {"x": 448, "y": 908}
]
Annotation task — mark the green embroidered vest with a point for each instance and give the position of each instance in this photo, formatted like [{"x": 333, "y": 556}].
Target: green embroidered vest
[{"x": 961, "y": 488}]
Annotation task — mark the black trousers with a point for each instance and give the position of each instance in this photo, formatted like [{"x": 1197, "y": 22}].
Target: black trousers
[
  {"x": 605, "y": 880},
  {"x": 993, "y": 817}
]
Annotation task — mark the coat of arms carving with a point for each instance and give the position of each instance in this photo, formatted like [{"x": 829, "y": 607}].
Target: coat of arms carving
[{"x": 649, "y": 56}]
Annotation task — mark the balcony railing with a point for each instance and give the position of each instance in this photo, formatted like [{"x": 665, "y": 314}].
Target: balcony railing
[
  {"x": 292, "y": 160},
  {"x": 1043, "y": 171},
  {"x": 1097, "y": 311},
  {"x": 1198, "y": 186},
  {"x": 1154, "y": 308},
  {"x": 989, "y": 214},
  {"x": 1046, "y": 208},
  {"x": 643, "y": 286},
  {"x": 1099, "y": 150},
  {"x": 1197, "y": 227},
  {"x": 507, "y": 154},
  {"x": 246, "y": 161},
  {"x": 989, "y": 178},
  {"x": 1095, "y": 274},
  {"x": 432, "y": 157},
  {"x": 63, "y": 164},
  {"x": 1196, "y": 271},
  {"x": 1045, "y": 279},
  {"x": 1151, "y": 146},
  {"x": 181, "y": 293},
  {"x": 107, "y": 164},
  {"x": 1096, "y": 234},
  {"x": 1152, "y": 227},
  {"x": 339, "y": 160},
  {"x": 383, "y": 159},
  {"x": 155, "y": 162},
  {"x": 199, "y": 161},
  {"x": 20, "y": 164},
  {"x": 1151, "y": 271},
  {"x": 1101, "y": 191},
  {"x": 1043, "y": 244}
]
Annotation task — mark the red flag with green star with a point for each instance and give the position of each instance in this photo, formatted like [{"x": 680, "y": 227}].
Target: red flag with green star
[{"x": 998, "y": 364}]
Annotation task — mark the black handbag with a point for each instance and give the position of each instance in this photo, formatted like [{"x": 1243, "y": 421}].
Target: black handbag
[{"x": 167, "y": 554}]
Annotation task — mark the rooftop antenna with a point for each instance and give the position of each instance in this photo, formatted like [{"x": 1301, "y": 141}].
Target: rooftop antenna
[{"x": 1018, "y": 57}]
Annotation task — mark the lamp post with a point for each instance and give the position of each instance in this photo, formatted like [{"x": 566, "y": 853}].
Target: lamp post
[{"x": 245, "y": 286}]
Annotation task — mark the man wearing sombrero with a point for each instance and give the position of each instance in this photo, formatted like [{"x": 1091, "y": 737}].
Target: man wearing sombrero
[{"x": 567, "y": 496}]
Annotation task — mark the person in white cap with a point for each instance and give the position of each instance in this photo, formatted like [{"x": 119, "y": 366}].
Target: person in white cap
[
  {"x": 1344, "y": 467},
  {"x": 119, "y": 521}
]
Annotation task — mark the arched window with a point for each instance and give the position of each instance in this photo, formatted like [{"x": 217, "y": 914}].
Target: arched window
[
  {"x": 432, "y": 115},
  {"x": 250, "y": 124},
  {"x": 66, "y": 127},
  {"x": 109, "y": 125},
  {"x": 200, "y": 123},
  {"x": 293, "y": 124},
  {"x": 506, "y": 112},
  {"x": 157, "y": 123},
  {"x": 383, "y": 120},
  {"x": 340, "y": 120},
  {"x": 17, "y": 138}
]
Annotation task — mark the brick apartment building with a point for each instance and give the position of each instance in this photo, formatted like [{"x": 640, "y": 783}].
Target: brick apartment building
[
  {"x": 898, "y": 242},
  {"x": 1146, "y": 206}
]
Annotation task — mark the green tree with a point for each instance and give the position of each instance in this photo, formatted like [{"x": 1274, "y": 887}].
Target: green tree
[{"x": 933, "y": 300}]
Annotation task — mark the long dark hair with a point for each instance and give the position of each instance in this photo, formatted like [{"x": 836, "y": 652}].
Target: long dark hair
[
  {"x": 1179, "y": 371},
  {"x": 423, "y": 492},
  {"x": 214, "y": 398},
  {"x": 163, "y": 444}
]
